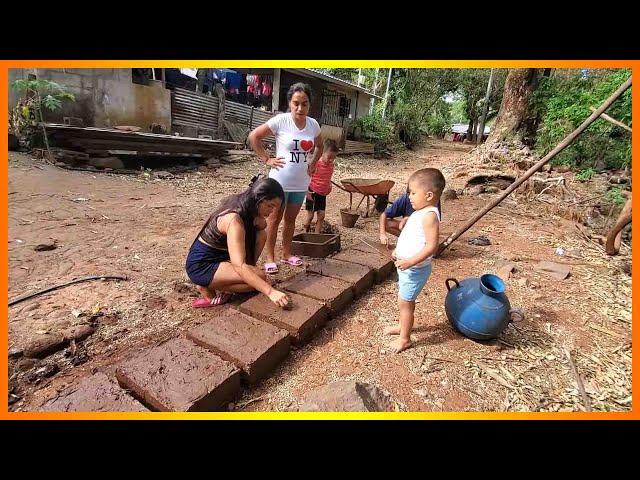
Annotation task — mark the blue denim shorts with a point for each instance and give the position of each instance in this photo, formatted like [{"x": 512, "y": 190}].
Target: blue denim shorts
[
  {"x": 296, "y": 198},
  {"x": 203, "y": 262},
  {"x": 412, "y": 280}
]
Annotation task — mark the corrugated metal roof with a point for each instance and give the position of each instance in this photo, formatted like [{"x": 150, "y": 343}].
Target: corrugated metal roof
[
  {"x": 338, "y": 81},
  {"x": 463, "y": 127}
]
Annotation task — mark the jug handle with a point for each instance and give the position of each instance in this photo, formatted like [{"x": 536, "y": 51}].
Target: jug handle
[
  {"x": 517, "y": 312},
  {"x": 446, "y": 282}
]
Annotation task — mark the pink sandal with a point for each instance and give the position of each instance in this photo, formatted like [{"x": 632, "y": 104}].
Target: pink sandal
[
  {"x": 203, "y": 303},
  {"x": 271, "y": 268},
  {"x": 293, "y": 261},
  {"x": 220, "y": 299}
]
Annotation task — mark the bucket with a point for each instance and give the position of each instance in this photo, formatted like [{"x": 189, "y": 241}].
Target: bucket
[{"x": 349, "y": 217}]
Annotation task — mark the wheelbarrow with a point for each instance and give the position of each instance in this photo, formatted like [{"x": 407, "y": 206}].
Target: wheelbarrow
[{"x": 367, "y": 187}]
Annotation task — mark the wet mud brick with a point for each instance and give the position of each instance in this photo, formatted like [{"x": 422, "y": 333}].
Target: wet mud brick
[
  {"x": 371, "y": 257},
  {"x": 254, "y": 346},
  {"x": 94, "y": 394},
  {"x": 361, "y": 276},
  {"x": 335, "y": 294},
  {"x": 302, "y": 321},
  {"x": 180, "y": 376},
  {"x": 374, "y": 247}
]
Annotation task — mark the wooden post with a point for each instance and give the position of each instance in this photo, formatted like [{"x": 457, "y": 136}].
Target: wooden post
[
  {"x": 485, "y": 107},
  {"x": 373, "y": 99},
  {"x": 246, "y": 140},
  {"x": 221, "y": 113},
  {"x": 251, "y": 118},
  {"x": 355, "y": 111},
  {"x": 561, "y": 146},
  {"x": 275, "y": 91},
  {"x": 386, "y": 94}
]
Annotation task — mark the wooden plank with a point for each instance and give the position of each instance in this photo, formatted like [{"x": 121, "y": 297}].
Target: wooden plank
[
  {"x": 237, "y": 132},
  {"x": 358, "y": 147}
]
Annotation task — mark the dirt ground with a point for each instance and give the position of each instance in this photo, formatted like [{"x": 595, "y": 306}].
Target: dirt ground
[{"x": 142, "y": 226}]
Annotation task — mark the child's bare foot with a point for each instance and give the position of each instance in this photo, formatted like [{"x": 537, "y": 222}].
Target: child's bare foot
[
  {"x": 394, "y": 330},
  {"x": 399, "y": 345}
]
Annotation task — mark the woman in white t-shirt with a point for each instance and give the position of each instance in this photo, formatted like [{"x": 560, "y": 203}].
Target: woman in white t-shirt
[{"x": 298, "y": 148}]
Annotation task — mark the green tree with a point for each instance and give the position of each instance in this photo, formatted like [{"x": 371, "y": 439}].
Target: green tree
[
  {"x": 517, "y": 119},
  {"x": 39, "y": 94},
  {"x": 472, "y": 87},
  {"x": 564, "y": 100}
]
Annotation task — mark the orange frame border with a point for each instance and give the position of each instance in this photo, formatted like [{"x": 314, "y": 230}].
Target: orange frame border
[{"x": 4, "y": 265}]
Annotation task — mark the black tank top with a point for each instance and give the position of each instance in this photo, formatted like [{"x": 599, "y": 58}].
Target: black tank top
[{"x": 212, "y": 235}]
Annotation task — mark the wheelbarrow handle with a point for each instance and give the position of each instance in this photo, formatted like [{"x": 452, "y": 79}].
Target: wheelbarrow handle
[{"x": 341, "y": 188}]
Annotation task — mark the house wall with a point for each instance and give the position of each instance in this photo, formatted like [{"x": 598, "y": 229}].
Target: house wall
[
  {"x": 364, "y": 102},
  {"x": 104, "y": 97}
]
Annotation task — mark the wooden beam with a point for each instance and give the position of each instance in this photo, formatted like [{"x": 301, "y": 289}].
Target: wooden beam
[{"x": 613, "y": 120}]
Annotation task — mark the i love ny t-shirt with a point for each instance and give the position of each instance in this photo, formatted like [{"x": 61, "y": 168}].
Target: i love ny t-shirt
[{"x": 296, "y": 147}]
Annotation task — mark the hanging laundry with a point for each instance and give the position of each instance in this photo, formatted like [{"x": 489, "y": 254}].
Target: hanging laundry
[
  {"x": 190, "y": 72},
  {"x": 266, "y": 89}
]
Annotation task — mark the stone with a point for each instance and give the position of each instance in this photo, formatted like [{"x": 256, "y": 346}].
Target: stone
[
  {"x": 44, "y": 345},
  {"x": 481, "y": 241},
  {"x": 555, "y": 270},
  {"x": 449, "y": 194},
  {"x": 347, "y": 396}
]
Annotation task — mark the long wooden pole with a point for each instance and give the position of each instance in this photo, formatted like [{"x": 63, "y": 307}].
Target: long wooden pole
[{"x": 561, "y": 146}]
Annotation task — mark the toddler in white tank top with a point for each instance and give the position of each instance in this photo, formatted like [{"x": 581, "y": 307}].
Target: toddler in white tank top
[{"x": 417, "y": 244}]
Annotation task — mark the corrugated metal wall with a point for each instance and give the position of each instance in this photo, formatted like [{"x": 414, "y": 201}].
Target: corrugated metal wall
[
  {"x": 191, "y": 109},
  {"x": 238, "y": 113}
]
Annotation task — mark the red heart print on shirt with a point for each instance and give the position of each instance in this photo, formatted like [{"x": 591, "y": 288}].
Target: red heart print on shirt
[{"x": 306, "y": 145}]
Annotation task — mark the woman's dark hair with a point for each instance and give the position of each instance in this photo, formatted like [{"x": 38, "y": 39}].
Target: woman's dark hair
[
  {"x": 246, "y": 204},
  {"x": 299, "y": 87}
]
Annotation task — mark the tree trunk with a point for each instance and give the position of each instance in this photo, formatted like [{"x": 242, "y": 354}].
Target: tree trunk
[
  {"x": 515, "y": 122},
  {"x": 471, "y": 130}
]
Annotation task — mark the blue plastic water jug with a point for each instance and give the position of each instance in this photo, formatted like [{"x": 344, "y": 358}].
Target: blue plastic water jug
[{"x": 478, "y": 307}]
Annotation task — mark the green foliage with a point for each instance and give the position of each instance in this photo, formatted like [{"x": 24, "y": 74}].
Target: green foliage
[
  {"x": 564, "y": 102},
  {"x": 614, "y": 195},
  {"x": 417, "y": 105},
  {"x": 457, "y": 110},
  {"x": 377, "y": 131},
  {"x": 49, "y": 91},
  {"x": 472, "y": 87},
  {"x": 586, "y": 174},
  {"x": 39, "y": 94}
]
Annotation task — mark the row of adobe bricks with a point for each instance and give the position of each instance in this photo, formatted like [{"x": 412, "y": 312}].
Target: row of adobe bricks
[{"x": 203, "y": 369}]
